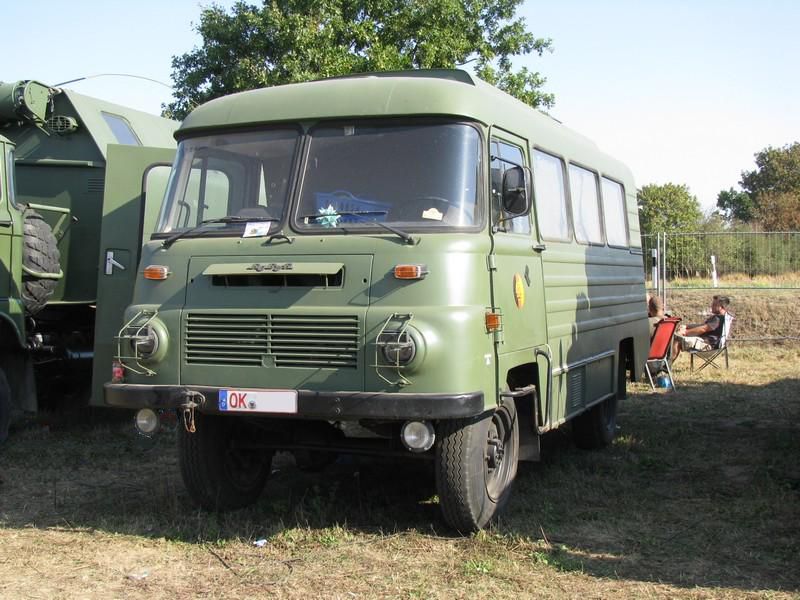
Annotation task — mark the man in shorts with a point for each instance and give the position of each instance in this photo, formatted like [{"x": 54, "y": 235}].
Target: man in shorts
[{"x": 704, "y": 336}]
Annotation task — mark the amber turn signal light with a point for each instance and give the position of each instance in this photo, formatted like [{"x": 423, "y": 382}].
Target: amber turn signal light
[
  {"x": 156, "y": 272},
  {"x": 410, "y": 271},
  {"x": 494, "y": 321}
]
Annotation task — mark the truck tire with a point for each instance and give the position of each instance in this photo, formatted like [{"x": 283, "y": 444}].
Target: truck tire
[
  {"x": 39, "y": 253},
  {"x": 595, "y": 428},
  {"x": 5, "y": 406},
  {"x": 476, "y": 462},
  {"x": 219, "y": 469}
]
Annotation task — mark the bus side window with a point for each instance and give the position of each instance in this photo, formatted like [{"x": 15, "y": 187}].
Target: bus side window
[
  {"x": 550, "y": 197},
  {"x": 585, "y": 205},
  {"x": 505, "y": 155},
  {"x": 614, "y": 213}
]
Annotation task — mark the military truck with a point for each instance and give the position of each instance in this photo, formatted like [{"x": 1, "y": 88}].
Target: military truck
[
  {"x": 58, "y": 149},
  {"x": 405, "y": 264}
]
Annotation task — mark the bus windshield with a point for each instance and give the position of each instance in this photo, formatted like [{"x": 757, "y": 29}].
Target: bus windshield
[
  {"x": 244, "y": 175},
  {"x": 408, "y": 176},
  {"x": 354, "y": 176}
]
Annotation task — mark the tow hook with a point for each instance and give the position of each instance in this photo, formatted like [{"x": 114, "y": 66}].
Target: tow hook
[{"x": 188, "y": 408}]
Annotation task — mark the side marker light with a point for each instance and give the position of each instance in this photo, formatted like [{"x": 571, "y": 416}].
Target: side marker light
[
  {"x": 156, "y": 272},
  {"x": 410, "y": 271},
  {"x": 494, "y": 322}
]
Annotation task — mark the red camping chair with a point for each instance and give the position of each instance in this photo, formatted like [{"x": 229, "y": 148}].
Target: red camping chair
[{"x": 658, "y": 359}]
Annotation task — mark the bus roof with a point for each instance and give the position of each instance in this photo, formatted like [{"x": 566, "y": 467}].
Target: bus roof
[{"x": 416, "y": 93}]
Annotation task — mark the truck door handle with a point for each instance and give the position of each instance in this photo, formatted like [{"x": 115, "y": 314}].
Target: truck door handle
[
  {"x": 539, "y": 247},
  {"x": 111, "y": 263}
]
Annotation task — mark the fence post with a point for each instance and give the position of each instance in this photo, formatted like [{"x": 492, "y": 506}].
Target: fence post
[
  {"x": 654, "y": 268},
  {"x": 714, "y": 282}
]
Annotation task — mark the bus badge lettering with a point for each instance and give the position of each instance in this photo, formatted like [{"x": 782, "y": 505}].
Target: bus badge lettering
[{"x": 272, "y": 267}]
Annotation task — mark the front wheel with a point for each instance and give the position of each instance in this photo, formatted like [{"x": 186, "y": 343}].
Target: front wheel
[
  {"x": 221, "y": 464},
  {"x": 476, "y": 462}
]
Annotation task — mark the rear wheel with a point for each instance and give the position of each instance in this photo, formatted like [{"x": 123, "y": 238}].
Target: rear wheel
[
  {"x": 596, "y": 427},
  {"x": 39, "y": 254},
  {"x": 476, "y": 462},
  {"x": 221, "y": 464}
]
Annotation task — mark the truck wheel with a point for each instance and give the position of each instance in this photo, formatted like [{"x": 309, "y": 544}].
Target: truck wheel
[
  {"x": 39, "y": 253},
  {"x": 476, "y": 462},
  {"x": 596, "y": 427},
  {"x": 220, "y": 467},
  {"x": 5, "y": 407}
]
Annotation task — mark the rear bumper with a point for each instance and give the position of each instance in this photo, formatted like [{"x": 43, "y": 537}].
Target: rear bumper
[{"x": 330, "y": 406}]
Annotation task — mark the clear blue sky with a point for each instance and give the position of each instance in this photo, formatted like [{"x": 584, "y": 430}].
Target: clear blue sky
[{"x": 682, "y": 91}]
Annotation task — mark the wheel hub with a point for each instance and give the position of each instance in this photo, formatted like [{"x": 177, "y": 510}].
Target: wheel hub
[{"x": 494, "y": 453}]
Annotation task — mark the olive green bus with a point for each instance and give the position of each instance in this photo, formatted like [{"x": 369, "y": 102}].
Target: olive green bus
[{"x": 402, "y": 264}]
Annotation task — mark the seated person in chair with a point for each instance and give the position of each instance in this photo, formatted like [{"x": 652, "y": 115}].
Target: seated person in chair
[
  {"x": 704, "y": 336},
  {"x": 655, "y": 312}
]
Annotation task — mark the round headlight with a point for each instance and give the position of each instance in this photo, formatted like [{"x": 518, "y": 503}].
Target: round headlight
[
  {"x": 418, "y": 436},
  {"x": 145, "y": 342},
  {"x": 146, "y": 421},
  {"x": 398, "y": 348}
]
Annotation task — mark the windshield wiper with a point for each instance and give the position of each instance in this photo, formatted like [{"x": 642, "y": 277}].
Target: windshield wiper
[
  {"x": 406, "y": 237},
  {"x": 229, "y": 219}
]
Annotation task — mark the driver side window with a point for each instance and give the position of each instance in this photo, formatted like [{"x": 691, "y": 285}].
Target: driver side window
[{"x": 504, "y": 156}]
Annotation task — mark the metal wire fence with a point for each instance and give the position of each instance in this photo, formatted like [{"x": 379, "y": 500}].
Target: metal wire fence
[
  {"x": 731, "y": 259},
  {"x": 760, "y": 271}
]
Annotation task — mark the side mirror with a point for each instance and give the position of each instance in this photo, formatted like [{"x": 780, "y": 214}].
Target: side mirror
[{"x": 516, "y": 199}]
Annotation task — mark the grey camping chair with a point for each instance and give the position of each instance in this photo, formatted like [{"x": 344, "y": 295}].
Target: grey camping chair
[{"x": 709, "y": 357}]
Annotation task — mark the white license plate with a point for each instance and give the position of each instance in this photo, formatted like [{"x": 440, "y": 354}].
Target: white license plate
[{"x": 258, "y": 401}]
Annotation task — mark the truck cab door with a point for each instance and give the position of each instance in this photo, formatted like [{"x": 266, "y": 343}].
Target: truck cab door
[
  {"x": 136, "y": 180},
  {"x": 6, "y": 221},
  {"x": 516, "y": 269}
]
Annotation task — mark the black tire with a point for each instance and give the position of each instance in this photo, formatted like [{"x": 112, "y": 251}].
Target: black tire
[
  {"x": 39, "y": 253},
  {"x": 476, "y": 462},
  {"x": 314, "y": 461},
  {"x": 596, "y": 428},
  {"x": 623, "y": 365},
  {"x": 5, "y": 406},
  {"x": 221, "y": 468}
]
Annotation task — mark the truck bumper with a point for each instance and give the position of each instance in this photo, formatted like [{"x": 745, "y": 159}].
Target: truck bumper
[{"x": 329, "y": 406}]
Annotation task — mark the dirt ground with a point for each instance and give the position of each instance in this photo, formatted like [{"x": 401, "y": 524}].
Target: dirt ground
[{"x": 699, "y": 497}]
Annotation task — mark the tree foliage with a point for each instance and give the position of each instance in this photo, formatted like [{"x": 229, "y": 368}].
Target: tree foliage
[
  {"x": 669, "y": 207},
  {"x": 287, "y": 41},
  {"x": 770, "y": 195},
  {"x": 736, "y": 205},
  {"x": 779, "y": 211},
  {"x": 777, "y": 170}
]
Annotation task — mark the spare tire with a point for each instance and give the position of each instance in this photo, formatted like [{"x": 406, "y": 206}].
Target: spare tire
[{"x": 40, "y": 256}]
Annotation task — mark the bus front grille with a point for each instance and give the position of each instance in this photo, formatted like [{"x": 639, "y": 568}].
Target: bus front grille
[{"x": 311, "y": 341}]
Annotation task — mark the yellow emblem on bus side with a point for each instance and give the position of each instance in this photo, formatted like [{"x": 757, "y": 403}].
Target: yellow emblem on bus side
[{"x": 519, "y": 291}]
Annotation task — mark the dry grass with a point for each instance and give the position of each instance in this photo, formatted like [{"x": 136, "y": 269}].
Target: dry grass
[
  {"x": 698, "y": 498},
  {"x": 759, "y": 313},
  {"x": 784, "y": 280}
]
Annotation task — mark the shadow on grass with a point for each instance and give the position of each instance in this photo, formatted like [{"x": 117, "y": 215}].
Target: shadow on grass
[{"x": 701, "y": 488}]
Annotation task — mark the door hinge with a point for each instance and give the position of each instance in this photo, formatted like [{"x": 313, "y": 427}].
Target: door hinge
[{"x": 492, "y": 260}]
